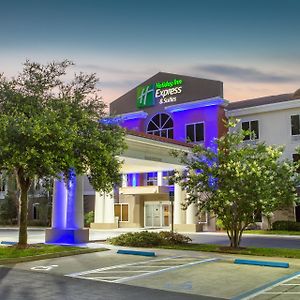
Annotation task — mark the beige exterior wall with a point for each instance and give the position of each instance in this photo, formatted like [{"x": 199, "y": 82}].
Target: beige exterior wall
[{"x": 274, "y": 129}]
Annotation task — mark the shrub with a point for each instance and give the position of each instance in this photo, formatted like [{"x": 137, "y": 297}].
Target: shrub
[
  {"x": 149, "y": 239},
  {"x": 88, "y": 218},
  {"x": 174, "y": 238},
  {"x": 286, "y": 225},
  {"x": 137, "y": 239}
]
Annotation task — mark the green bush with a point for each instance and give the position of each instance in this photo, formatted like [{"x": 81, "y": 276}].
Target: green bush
[
  {"x": 174, "y": 238},
  {"x": 88, "y": 218},
  {"x": 286, "y": 225},
  {"x": 149, "y": 239}
]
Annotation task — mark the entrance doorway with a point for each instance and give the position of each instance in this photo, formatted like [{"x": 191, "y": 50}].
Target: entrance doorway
[{"x": 156, "y": 214}]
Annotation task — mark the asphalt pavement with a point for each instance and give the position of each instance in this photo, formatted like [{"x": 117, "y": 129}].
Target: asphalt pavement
[
  {"x": 25, "y": 285},
  {"x": 37, "y": 235}
]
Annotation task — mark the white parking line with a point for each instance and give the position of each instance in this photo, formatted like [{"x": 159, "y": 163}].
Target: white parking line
[
  {"x": 268, "y": 290},
  {"x": 143, "y": 266},
  {"x": 166, "y": 269}
]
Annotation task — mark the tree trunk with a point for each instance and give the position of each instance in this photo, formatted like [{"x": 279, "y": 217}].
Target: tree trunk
[
  {"x": 235, "y": 238},
  {"x": 23, "y": 184}
]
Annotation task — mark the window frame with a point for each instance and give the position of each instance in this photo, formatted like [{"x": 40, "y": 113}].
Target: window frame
[
  {"x": 153, "y": 181},
  {"x": 169, "y": 131},
  {"x": 257, "y": 137},
  {"x": 291, "y": 126},
  {"x": 121, "y": 211},
  {"x": 195, "y": 123}
]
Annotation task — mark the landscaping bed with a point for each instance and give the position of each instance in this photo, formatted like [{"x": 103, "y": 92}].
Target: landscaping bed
[
  {"x": 12, "y": 254},
  {"x": 176, "y": 241}
]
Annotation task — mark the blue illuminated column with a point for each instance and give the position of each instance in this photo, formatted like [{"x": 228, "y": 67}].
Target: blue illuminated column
[
  {"x": 75, "y": 202},
  {"x": 59, "y": 206},
  {"x": 67, "y": 212}
]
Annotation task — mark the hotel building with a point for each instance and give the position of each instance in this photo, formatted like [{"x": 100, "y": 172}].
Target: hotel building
[{"x": 171, "y": 111}]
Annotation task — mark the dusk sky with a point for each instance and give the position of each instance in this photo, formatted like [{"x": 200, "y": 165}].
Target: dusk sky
[{"x": 252, "y": 46}]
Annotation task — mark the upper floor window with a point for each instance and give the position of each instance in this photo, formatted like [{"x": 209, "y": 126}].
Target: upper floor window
[
  {"x": 195, "y": 132},
  {"x": 253, "y": 127},
  {"x": 167, "y": 177},
  {"x": 295, "y": 124},
  {"x": 151, "y": 178},
  {"x": 161, "y": 125}
]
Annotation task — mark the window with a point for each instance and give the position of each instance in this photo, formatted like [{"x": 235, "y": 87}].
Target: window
[
  {"x": 253, "y": 127},
  {"x": 295, "y": 124},
  {"x": 167, "y": 177},
  {"x": 161, "y": 125},
  {"x": 195, "y": 132},
  {"x": 151, "y": 178},
  {"x": 36, "y": 211},
  {"x": 121, "y": 211}
]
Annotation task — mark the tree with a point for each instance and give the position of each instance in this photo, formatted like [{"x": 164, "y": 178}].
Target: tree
[
  {"x": 48, "y": 126},
  {"x": 236, "y": 180}
]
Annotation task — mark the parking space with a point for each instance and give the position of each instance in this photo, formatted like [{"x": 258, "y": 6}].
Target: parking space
[
  {"x": 287, "y": 288},
  {"x": 195, "y": 273},
  {"x": 132, "y": 271}
]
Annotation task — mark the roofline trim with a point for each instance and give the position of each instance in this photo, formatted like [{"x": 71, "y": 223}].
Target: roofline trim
[
  {"x": 264, "y": 108},
  {"x": 197, "y": 104},
  {"x": 132, "y": 115}
]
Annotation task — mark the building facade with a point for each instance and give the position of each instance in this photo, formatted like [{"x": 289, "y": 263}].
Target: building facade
[{"x": 175, "y": 108}]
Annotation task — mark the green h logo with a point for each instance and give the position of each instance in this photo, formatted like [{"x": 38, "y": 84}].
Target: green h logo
[{"x": 145, "y": 96}]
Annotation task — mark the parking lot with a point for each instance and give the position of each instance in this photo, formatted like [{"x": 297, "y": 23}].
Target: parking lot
[{"x": 188, "y": 272}]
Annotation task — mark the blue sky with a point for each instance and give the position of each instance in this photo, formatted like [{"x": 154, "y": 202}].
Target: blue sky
[{"x": 252, "y": 46}]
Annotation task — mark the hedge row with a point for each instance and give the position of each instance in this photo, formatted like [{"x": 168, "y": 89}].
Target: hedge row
[
  {"x": 286, "y": 225},
  {"x": 149, "y": 239}
]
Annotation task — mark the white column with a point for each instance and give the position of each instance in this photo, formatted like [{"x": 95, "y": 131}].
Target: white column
[
  {"x": 178, "y": 200},
  {"x": 99, "y": 208},
  {"x": 79, "y": 213},
  {"x": 159, "y": 178},
  {"x": 109, "y": 207},
  {"x": 191, "y": 214},
  {"x": 124, "y": 180}
]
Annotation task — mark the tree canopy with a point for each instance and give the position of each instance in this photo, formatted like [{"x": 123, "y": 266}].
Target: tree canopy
[
  {"x": 236, "y": 180},
  {"x": 49, "y": 125}
]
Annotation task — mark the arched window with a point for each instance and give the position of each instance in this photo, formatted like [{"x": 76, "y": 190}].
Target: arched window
[{"x": 161, "y": 125}]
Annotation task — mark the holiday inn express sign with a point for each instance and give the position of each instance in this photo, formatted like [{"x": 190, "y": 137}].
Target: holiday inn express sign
[{"x": 159, "y": 92}]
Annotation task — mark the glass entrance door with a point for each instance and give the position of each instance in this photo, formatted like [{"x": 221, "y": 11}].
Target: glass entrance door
[{"x": 156, "y": 214}]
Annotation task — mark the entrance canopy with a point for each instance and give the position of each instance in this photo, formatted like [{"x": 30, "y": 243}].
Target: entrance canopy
[{"x": 150, "y": 153}]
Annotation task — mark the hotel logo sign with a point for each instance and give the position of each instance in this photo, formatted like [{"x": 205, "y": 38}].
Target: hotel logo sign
[
  {"x": 145, "y": 96},
  {"x": 159, "y": 92}
]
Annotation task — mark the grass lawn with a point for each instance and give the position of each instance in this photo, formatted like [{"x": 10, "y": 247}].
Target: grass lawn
[
  {"x": 271, "y": 252},
  {"x": 279, "y": 232},
  {"x": 39, "y": 251}
]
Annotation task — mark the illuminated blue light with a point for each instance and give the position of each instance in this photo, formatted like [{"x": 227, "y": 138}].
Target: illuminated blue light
[
  {"x": 110, "y": 121},
  {"x": 125, "y": 117},
  {"x": 60, "y": 204},
  {"x": 71, "y": 207},
  {"x": 134, "y": 181},
  {"x": 134, "y": 115},
  {"x": 195, "y": 104}
]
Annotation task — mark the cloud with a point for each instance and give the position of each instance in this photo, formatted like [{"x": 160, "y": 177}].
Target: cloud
[
  {"x": 118, "y": 84},
  {"x": 104, "y": 69},
  {"x": 245, "y": 74}
]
